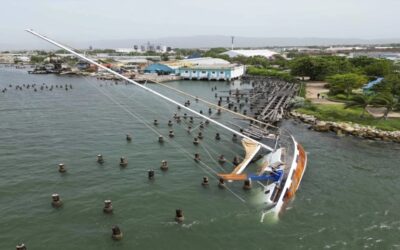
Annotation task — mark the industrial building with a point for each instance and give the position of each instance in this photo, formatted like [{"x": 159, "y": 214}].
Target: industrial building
[
  {"x": 250, "y": 52},
  {"x": 205, "y": 68},
  {"x": 218, "y": 72}
]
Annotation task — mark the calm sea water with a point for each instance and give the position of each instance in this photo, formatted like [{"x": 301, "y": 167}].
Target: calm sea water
[{"x": 348, "y": 198}]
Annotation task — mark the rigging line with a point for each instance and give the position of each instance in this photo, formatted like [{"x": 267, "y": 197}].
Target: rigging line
[
  {"x": 138, "y": 104},
  {"x": 212, "y": 104},
  {"x": 227, "y": 148},
  {"x": 214, "y": 175},
  {"x": 188, "y": 155},
  {"x": 201, "y": 144},
  {"x": 168, "y": 105},
  {"x": 214, "y": 114},
  {"x": 172, "y": 141},
  {"x": 144, "y": 87},
  {"x": 141, "y": 105},
  {"x": 125, "y": 109},
  {"x": 216, "y": 153},
  {"x": 208, "y": 153},
  {"x": 135, "y": 116},
  {"x": 209, "y": 137},
  {"x": 230, "y": 190}
]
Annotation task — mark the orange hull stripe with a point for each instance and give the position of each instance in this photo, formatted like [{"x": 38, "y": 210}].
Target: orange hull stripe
[{"x": 298, "y": 173}]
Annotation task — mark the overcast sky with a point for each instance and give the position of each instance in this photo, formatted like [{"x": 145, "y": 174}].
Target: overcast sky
[{"x": 74, "y": 21}]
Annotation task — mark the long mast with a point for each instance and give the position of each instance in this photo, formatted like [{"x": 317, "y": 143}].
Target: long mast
[{"x": 144, "y": 87}]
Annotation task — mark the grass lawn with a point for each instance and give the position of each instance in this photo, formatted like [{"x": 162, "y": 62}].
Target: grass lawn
[{"x": 337, "y": 113}]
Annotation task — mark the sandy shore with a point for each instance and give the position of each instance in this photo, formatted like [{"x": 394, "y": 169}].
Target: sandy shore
[{"x": 312, "y": 90}]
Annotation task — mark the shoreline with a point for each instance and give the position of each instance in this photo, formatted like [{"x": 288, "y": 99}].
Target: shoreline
[{"x": 347, "y": 128}]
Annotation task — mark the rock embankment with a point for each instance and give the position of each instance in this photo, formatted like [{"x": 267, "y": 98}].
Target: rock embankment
[{"x": 348, "y": 128}]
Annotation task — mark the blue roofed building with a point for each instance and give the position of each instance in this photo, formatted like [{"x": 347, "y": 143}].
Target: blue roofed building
[
  {"x": 160, "y": 69},
  {"x": 368, "y": 87}
]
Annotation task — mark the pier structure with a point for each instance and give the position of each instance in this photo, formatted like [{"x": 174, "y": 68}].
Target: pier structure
[
  {"x": 270, "y": 98},
  {"x": 264, "y": 102}
]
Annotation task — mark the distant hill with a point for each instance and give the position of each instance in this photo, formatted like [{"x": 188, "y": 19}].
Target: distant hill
[
  {"x": 207, "y": 41},
  {"x": 204, "y": 41}
]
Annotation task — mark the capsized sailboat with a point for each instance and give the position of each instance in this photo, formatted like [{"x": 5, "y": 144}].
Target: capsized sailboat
[
  {"x": 282, "y": 169},
  {"x": 280, "y": 173}
]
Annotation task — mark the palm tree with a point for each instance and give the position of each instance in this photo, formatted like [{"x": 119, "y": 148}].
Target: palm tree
[
  {"x": 362, "y": 101},
  {"x": 387, "y": 101}
]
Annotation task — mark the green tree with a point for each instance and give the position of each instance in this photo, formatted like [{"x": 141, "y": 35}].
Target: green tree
[
  {"x": 390, "y": 84},
  {"x": 252, "y": 70},
  {"x": 387, "y": 101},
  {"x": 164, "y": 57},
  {"x": 241, "y": 60},
  {"x": 214, "y": 52},
  {"x": 346, "y": 82},
  {"x": 319, "y": 67},
  {"x": 280, "y": 60},
  {"x": 339, "y": 65},
  {"x": 362, "y": 61},
  {"x": 362, "y": 101},
  {"x": 379, "y": 68},
  {"x": 302, "y": 66},
  {"x": 37, "y": 59}
]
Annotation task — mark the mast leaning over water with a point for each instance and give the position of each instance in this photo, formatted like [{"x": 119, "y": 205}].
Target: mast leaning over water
[
  {"x": 293, "y": 170},
  {"x": 145, "y": 88}
]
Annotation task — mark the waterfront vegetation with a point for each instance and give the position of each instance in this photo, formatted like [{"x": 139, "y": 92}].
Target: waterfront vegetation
[
  {"x": 339, "y": 113},
  {"x": 270, "y": 72},
  {"x": 344, "y": 79}
]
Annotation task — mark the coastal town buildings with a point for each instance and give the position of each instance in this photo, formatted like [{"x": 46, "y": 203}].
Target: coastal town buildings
[{"x": 148, "y": 47}]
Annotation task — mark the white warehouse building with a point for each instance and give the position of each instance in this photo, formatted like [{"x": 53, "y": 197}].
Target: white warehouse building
[
  {"x": 207, "y": 68},
  {"x": 217, "y": 72}
]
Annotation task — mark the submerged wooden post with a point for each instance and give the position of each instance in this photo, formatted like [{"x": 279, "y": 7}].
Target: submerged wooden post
[
  {"x": 61, "y": 168},
  {"x": 247, "y": 185},
  {"x": 164, "y": 165},
  {"x": 221, "y": 183},
  {"x": 150, "y": 174},
  {"x": 179, "y": 216},
  {"x": 108, "y": 208},
  {"x": 21, "y": 246},
  {"x": 56, "y": 201},
  {"x": 205, "y": 181},
  {"x": 123, "y": 162},
  {"x": 197, "y": 157},
  {"x": 116, "y": 233},
  {"x": 221, "y": 159},
  {"x": 100, "y": 159}
]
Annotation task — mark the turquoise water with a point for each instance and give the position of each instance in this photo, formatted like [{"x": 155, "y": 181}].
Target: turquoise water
[{"x": 348, "y": 198}]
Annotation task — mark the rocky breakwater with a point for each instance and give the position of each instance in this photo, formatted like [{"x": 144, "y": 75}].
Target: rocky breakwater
[{"x": 348, "y": 128}]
